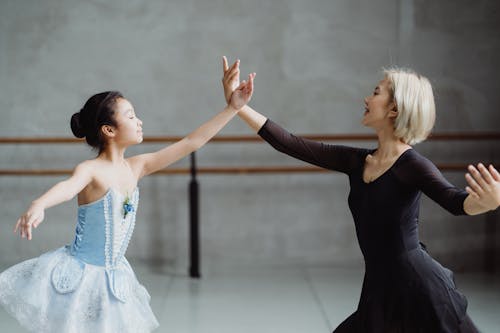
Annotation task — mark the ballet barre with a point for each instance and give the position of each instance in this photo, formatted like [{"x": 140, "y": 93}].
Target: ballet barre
[
  {"x": 482, "y": 136},
  {"x": 193, "y": 171}
]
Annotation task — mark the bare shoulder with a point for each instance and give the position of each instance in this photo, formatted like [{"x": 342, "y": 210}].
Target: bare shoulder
[
  {"x": 87, "y": 167},
  {"x": 136, "y": 163},
  {"x": 87, "y": 164}
]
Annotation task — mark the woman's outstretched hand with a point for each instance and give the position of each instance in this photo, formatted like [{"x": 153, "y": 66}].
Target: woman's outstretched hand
[
  {"x": 242, "y": 95},
  {"x": 484, "y": 185},
  {"x": 230, "y": 78},
  {"x": 32, "y": 218}
]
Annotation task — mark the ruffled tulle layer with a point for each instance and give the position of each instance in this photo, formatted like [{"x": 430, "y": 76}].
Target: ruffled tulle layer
[{"x": 81, "y": 303}]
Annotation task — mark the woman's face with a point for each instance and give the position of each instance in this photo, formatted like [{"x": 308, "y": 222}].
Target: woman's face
[
  {"x": 129, "y": 127},
  {"x": 380, "y": 109}
]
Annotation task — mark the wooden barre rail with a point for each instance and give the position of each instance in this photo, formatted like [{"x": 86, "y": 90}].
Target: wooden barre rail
[
  {"x": 483, "y": 136},
  {"x": 235, "y": 138},
  {"x": 212, "y": 170},
  {"x": 193, "y": 188}
]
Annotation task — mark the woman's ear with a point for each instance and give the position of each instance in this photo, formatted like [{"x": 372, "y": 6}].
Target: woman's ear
[
  {"x": 393, "y": 110},
  {"x": 108, "y": 131}
]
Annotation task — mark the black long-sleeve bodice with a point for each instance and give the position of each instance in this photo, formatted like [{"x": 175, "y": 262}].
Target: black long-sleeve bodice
[{"x": 386, "y": 213}]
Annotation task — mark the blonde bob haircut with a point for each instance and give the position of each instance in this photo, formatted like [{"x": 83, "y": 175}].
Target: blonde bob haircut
[{"x": 412, "y": 94}]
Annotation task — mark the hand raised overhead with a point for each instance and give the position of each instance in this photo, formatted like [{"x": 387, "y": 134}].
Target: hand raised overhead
[
  {"x": 230, "y": 78},
  {"x": 242, "y": 95}
]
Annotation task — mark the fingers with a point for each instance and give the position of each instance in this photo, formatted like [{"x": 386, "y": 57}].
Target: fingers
[
  {"x": 37, "y": 222},
  {"x": 25, "y": 223},
  {"x": 473, "y": 184},
  {"x": 22, "y": 226},
  {"x": 28, "y": 229},
  {"x": 477, "y": 177},
  {"x": 251, "y": 77},
  {"x": 235, "y": 69},
  {"x": 485, "y": 173},
  {"x": 236, "y": 65},
  {"x": 471, "y": 192},
  {"x": 242, "y": 85},
  {"x": 18, "y": 223},
  {"x": 230, "y": 70},
  {"x": 25, "y": 226},
  {"x": 494, "y": 173},
  {"x": 29, "y": 232},
  {"x": 231, "y": 75},
  {"x": 249, "y": 85},
  {"x": 225, "y": 66}
]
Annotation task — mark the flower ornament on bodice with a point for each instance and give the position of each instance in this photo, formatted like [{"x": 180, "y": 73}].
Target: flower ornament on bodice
[{"x": 128, "y": 207}]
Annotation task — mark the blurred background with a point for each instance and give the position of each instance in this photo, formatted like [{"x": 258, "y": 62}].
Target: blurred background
[{"x": 315, "y": 62}]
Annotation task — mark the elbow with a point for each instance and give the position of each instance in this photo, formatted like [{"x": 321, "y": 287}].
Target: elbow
[
  {"x": 67, "y": 197},
  {"x": 281, "y": 149},
  {"x": 193, "y": 144},
  {"x": 67, "y": 190}
]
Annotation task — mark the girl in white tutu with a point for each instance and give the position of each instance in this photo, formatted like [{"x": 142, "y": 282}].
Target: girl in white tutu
[{"x": 89, "y": 286}]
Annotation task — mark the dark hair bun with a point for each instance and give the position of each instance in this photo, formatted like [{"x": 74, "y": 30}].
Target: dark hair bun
[{"x": 76, "y": 126}]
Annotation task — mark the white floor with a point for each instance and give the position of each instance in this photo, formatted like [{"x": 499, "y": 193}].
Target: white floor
[{"x": 274, "y": 300}]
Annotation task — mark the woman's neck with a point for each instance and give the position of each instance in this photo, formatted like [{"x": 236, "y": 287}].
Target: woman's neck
[{"x": 389, "y": 146}]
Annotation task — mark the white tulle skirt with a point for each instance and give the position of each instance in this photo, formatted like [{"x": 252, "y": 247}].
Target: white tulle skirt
[{"x": 28, "y": 293}]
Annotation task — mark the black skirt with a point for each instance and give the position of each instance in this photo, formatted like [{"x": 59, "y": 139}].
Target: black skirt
[{"x": 412, "y": 293}]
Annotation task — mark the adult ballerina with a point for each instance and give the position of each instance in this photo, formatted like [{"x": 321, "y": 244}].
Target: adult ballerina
[{"x": 404, "y": 289}]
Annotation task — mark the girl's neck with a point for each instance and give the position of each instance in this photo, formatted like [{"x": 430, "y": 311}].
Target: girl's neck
[{"x": 113, "y": 154}]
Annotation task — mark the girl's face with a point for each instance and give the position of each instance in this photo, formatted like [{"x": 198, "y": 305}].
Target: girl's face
[
  {"x": 129, "y": 127},
  {"x": 380, "y": 109}
]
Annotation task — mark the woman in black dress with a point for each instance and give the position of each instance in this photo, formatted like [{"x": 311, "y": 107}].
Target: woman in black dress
[{"x": 404, "y": 289}]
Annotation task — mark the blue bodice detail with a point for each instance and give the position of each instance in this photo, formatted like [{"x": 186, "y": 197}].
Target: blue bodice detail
[
  {"x": 104, "y": 229},
  {"x": 103, "y": 232}
]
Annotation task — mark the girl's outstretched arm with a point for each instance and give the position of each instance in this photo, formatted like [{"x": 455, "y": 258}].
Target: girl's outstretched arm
[
  {"x": 483, "y": 189},
  {"x": 61, "y": 192},
  {"x": 146, "y": 164}
]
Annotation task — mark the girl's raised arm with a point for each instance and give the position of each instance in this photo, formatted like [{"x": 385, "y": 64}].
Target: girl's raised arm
[
  {"x": 146, "y": 164},
  {"x": 61, "y": 192}
]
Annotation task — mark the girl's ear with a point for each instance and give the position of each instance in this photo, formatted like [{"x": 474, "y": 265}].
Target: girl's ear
[{"x": 108, "y": 131}]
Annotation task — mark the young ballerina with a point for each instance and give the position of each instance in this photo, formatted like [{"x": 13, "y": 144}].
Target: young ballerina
[
  {"x": 89, "y": 286},
  {"x": 404, "y": 289}
]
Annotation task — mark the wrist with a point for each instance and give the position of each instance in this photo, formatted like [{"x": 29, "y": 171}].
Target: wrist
[
  {"x": 37, "y": 204},
  {"x": 232, "y": 109}
]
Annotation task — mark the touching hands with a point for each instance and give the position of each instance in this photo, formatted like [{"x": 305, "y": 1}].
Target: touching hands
[
  {"x": 237, "y": 94},
  {"x": 32, "y": 218},
  {"x": 230, "y": 78},
  {"x": 242, "y": 95},
  {"x": 484, "y": 185}
]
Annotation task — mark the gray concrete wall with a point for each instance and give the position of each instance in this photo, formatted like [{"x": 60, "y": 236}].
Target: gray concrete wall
[{"x": 315, "y": 61}]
